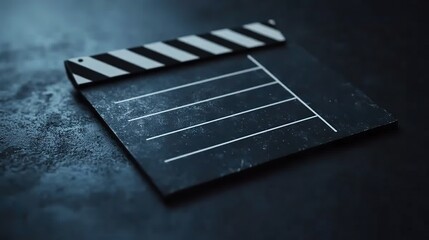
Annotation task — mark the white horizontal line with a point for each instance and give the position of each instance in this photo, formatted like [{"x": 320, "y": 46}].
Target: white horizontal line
[
  {"x": 221, "y": 118},
  {"x": 237, "y": 139},
  {"x": 205, "y": 100},
  {"x": 290, "y": 91},
  {"x": 191, "y": 84}
]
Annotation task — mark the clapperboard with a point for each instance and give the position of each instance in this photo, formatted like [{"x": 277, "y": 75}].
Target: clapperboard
[{"x": 200, "y": 107}]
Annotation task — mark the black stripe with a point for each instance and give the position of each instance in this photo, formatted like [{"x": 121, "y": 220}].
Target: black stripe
[
  {"x": 117, "y": 62},
  {"x": 154, "y": 55},
  {"x": 85, "y": 72},
  {"x": 222, "y": 42},
  {"x": 256, "y": 36},
  {"x": 188, "y": 48}
]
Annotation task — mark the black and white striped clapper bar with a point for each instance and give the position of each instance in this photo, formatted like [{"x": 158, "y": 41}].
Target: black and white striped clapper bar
[{"x": 136, "y": 60}]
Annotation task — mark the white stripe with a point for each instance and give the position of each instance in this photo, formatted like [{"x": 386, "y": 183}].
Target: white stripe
[
  {"x": 265, "y": 30},
  {"x": 80, "y": 80},
  {"x": 136, "y": 59},
  {"x": 171, "y": 51},
  {"x": 237, "y": 38},
  {"x": 205, "y": 100},
  {"x": 205, "y": 45},
  {"x": 290, "y": 91},
  {"x": 98, "y": 66},
  {"x": 221, "y": 118},
  {"x": 238, "y": 139},
  {"x": 190, "y": 84}
]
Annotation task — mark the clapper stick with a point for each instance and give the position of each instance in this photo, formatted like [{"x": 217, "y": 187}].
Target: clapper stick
[
  {"x": 125, "y": 62},
  {"x": 203, "y": 121}
]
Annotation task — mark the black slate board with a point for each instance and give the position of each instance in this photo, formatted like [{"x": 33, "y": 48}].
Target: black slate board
[{"x": 265, "y": 105}]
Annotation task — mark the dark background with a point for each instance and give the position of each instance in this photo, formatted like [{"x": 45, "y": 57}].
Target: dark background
[{"x": 62, "y": 176}]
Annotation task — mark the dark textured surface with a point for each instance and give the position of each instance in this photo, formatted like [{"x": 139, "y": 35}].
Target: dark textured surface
[{"x": 62, "y": 176}]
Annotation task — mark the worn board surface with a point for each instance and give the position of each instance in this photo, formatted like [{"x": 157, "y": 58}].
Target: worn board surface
[{"x": 195, "y": 123}]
